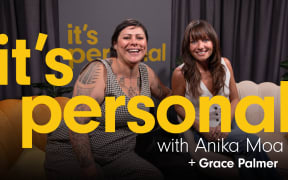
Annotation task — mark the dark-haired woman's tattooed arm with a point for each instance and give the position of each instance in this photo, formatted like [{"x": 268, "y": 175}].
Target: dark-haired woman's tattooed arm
[
  {"x": 91, "y": 82},
  {"x": 158, "y": 90}
]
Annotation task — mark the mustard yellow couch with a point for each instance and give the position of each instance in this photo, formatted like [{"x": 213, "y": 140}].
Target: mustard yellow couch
[{"x": 15, "y": 162}]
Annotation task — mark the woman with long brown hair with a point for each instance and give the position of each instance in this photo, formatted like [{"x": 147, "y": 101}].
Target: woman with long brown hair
[{"x": 205, "y": 73}]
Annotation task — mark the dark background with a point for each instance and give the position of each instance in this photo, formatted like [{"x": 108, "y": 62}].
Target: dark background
[{"x": 253, "y": 35}]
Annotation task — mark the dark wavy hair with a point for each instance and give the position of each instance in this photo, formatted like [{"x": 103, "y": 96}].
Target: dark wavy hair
[
  {"x": 119, "y": 28},
  {"x": 201, "y": 30}
]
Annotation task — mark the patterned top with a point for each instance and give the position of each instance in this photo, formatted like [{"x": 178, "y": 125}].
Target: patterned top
[
  {"x": 105, "y": 146},
  {"x": 215, "y": 110}
]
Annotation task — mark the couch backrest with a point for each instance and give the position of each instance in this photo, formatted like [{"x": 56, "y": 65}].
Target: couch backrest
[{"x": 255, "y": 113}]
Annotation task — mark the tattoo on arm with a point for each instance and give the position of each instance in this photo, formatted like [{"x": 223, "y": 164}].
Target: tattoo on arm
[
  {"x": 80, "y": 142},
  {"x": 81, "y": 147},
  {"x": 91, "y": 74},
  {"x": 82, "y": 107},
  {"x": 83, "y": 91}
]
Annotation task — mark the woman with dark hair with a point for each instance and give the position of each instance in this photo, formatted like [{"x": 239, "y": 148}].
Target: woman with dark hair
[
  {"x": 99, "y": 153},
  {"x": 205, "y": 73}
]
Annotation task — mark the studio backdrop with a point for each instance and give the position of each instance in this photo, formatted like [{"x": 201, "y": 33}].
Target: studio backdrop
[{"x": 253, "y": 34}]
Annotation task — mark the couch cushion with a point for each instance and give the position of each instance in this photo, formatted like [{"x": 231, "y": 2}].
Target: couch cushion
[
  {"x": 9, "y": 144},
  {"x": 255, "y": 115},
  {"x": 30, "y": 165}
]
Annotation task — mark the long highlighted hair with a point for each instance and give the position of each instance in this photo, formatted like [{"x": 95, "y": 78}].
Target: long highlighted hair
[{"x": 201, "y": 30}]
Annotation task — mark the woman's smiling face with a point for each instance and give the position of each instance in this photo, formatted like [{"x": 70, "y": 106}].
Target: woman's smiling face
[
  {"x": 201, "y": 49},
  {"x": 131, "y": 45}
]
